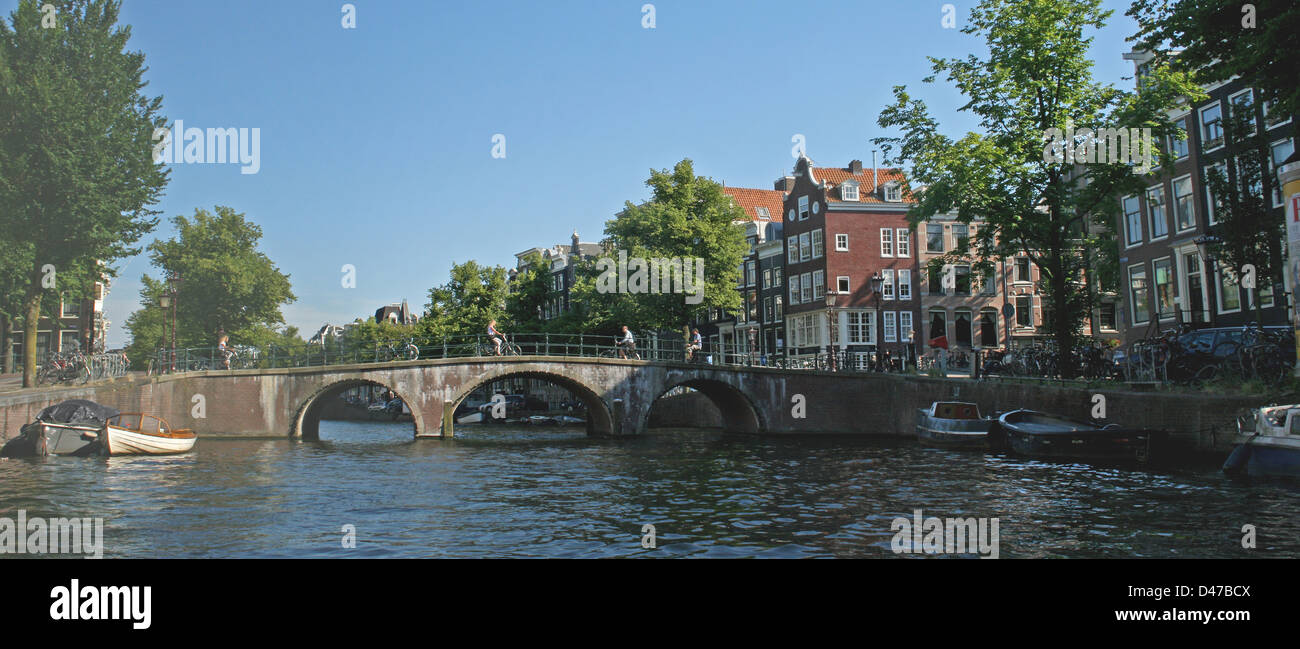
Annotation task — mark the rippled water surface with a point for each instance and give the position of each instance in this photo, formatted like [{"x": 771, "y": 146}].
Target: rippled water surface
[{"x": 556, "y": 493}]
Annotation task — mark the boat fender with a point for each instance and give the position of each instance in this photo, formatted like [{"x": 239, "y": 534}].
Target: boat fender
[{"x": 1236, "y": 462}]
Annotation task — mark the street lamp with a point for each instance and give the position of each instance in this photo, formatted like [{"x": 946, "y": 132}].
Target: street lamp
[{"x": 877, "y": 281}]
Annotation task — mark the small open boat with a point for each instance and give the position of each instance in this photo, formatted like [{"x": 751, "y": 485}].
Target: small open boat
[
  {"x": 952, "y": 424},
  {"x": 1269, "y": 443},
  {"x": 139, "y": 434},
  {"x": 1035, "y": 434}
]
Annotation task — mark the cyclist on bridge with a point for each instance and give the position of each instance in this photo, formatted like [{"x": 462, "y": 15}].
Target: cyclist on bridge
[
  {"x": 627, "y": 344},
  {"x": 495, "y": 335}
]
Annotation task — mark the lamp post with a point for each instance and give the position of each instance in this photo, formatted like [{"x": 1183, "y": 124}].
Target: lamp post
[
  {"x": 1205, "y": 245},
  {"x": 877, "y": 281},
  {"x": 830, "y": 328}
]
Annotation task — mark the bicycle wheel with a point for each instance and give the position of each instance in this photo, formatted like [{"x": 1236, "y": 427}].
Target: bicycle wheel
[
  {"x": 412, "y": 352},
  {"x": 1268, "y": 364}
]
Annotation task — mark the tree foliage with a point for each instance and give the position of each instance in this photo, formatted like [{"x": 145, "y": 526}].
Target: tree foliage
[
  {"x": 473, "y": 295},
  {"x": 76, "y": 167}
]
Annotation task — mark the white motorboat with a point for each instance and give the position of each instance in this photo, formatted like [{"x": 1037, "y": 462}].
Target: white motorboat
[
  {"x": 1268, "y": 444},
  {"x": 140, "y": 434}
]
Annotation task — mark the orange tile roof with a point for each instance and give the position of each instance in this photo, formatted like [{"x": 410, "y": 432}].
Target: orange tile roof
[
  {"x": 866, "y": 190},
  {"x": 750, "y": 199}
]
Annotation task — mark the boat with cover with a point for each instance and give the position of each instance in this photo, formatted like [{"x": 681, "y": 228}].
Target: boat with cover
[
  {"x": 1268, "y": 443},
  {"x": 952, "y": 424},
  {"x": 71, "y": 427},
  {"x": 1036, "y": 434}
]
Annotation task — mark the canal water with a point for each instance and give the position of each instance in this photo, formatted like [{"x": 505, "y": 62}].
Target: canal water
[{"x": 529, "y": 492}]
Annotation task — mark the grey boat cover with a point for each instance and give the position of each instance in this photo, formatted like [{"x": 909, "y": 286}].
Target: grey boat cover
[{"x": 77, "y": 411}]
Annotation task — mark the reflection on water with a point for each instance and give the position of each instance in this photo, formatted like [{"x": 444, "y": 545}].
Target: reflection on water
[{"x": 516, "y": 491}]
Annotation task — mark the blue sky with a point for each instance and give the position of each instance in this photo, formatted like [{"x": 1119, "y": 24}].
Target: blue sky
[{"x": 376, "y": 141}]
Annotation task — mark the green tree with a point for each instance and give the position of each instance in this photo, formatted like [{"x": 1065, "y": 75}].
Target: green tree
[
  {"x": 1035, "y": 77},
  {"x": 688, "y": 216},
  {"x": 226, "y": 284},
  {"x": 76, "y": 160},
  {"x": 473, "y": 295},
  {"x": 1216, "y": 41},
  {"x": 1249, "y": 230},
  {"x": 530, "y": 292}
]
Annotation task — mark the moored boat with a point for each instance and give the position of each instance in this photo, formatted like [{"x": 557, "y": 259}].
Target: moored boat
[
  {"x": 1268, "y": 444},
  {"x": 68, "y": 428},
  {"x": 140, "y": 434},
  {"x": 1036, "y": 434},
  {"x": 952, "y": 424}
]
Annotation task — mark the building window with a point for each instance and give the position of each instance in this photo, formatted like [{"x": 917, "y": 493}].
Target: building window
[
  {"x": 1139, "y": 296},
  {"x": 988, "y": 328},
  {"x": 934, "y": 237},
  {"x": 1274, "y": 117},
  {"x": 1177, "y": 145},
  {"x": 819, "y": 284},
  {"x": 842, "y": 284},
  {"x": 1281, "y": 151},
  {"x": 1164, "y": 288},
  {"x": 935, "y": 280},
  {"x": 938, "y": 323},
  {"x": 893, "y": 193},
  {"x": 960, "y": 235},
  {"x": 1022, "y": 270},
  {"x": 1211, "y": 202},
  {"x": 792, "y": 244},
  {"x": 859, "y": 325},
  {"x": 891, "y": 326},
  {"x": 1025, "y": 311},
  {"x": 1156, "y": 212},
  {"x": 886, "y": 242},
  {"x": 780, "y": 311},
  {"x": 806, "y": 290},
  {"x": 1107, "y": 316},
  {"x": 904, "y": 242},
  {"x": 763, "y": 213},
  {"x": 794, "y": 291},
  {"x": 803, "y": 207},
  {"x": 768, "y": 312},
  {"x": 849, "y": 191},
  {"x": 776, "y": 277},
  {"x": 818, "y": 245},
  {"x": 1244, "y": 102},
  {"x": 1184, "y": 214},
  {"x": 750, "y": 273},
  {"x": 887, "y": 286},
  {"x": 1211, "y": 127},
  {"x": 842, "y": 243},
  {"x": 962, "y": 276},
  {"x": 904, "y": 284},
  {"x": 71, "y": 309},
  {"x": 1229, "y": 292},
  {"x": 805, "y": 247},
  {"x": 767, "y": 279},
  {"x": 1132, "y": 220},
  {"x": 987, "y": 285},
  {"x": 962, "y": 327},
  {"x": 905, "y": 332}
]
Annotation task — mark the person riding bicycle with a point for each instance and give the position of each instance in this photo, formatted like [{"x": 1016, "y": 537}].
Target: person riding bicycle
[
  {"x": 697, "y": 343},
  {"x": 627, "y": 344},
  {"x": 495, "y": 336},
  {"x": 223, "y": 348}
]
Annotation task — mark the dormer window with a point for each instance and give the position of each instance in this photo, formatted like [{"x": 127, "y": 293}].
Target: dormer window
[
  {"x": 849, "y": 191},
  {"x": 763, "y": 213},
  {"x": 893, "y": 193}
]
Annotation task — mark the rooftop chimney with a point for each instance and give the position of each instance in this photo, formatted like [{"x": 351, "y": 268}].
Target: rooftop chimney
[
  {"x": 784, "y": 184},
  {"x": 856, "y": 167}
]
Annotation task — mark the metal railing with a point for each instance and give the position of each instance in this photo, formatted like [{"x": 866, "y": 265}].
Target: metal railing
[{"x": 344, "y": 352}]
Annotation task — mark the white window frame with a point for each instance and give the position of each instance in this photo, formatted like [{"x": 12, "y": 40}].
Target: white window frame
[
  {"x": 805, "y": 247},
  {"x": 1155, "y": 286},
  {"x": 819, "y": 284},
  {"x": 1219, "y": 276},
  {"x": 1128, "y": 230},
  {"x": 1209, "y": 195},
  {"x": 1132, "y": 299},
  {"x": 1151, "y": 215},
  {"x": 849, "y": 191},
  {"x": 1187, "y": 143},
  {"x": 893, "y": 193},
  {"x": 903, "y": 243},
  {"x": 1191, "y": 197},
  {"x": 891, "y": 326},
  {"x": 805, "y": 288},
  {"x": 794, "y": 292},
  {"x": 1232, "y": 105},
  {"x": 818, "y": 244},
  {"x": 886, "y": 242},
  {"x": 803, "y": 208},
  {"x": 1266, "y": 107},
  {"x": 1278, "y": 199},
  {"x": 887, "y": 286},
  {"x": 905, "y": 326},
  {"x": 1200, "y": 126},
  {"x": 841, "y": 243},
  {"x": 843, "y": 284},
  {"x": 904, "y": 282}
]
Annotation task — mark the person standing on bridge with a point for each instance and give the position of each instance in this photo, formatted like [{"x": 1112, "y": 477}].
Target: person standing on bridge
[
  {"x": 627, "y": 344},
  {"x": 223, "y": 348},
  {"x": 697, "y": 343},
  {"x": 495, "y": 335}
]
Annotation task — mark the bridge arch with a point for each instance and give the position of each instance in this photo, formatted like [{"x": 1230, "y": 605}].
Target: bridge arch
[
  {"x": 306, "y": 422},
  {"x": 739, "y": 412},
  {"x": 600, "y": 420}
]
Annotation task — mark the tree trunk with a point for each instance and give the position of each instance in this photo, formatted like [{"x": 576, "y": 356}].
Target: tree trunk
[
  {"x": 6, "y": 346},
  {"x": 32, "y": 322}
]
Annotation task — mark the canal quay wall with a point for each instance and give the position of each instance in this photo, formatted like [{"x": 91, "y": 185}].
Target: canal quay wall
[
  {"x": 1197, "y": 422},
  {"x": 279, "y": 403}
]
